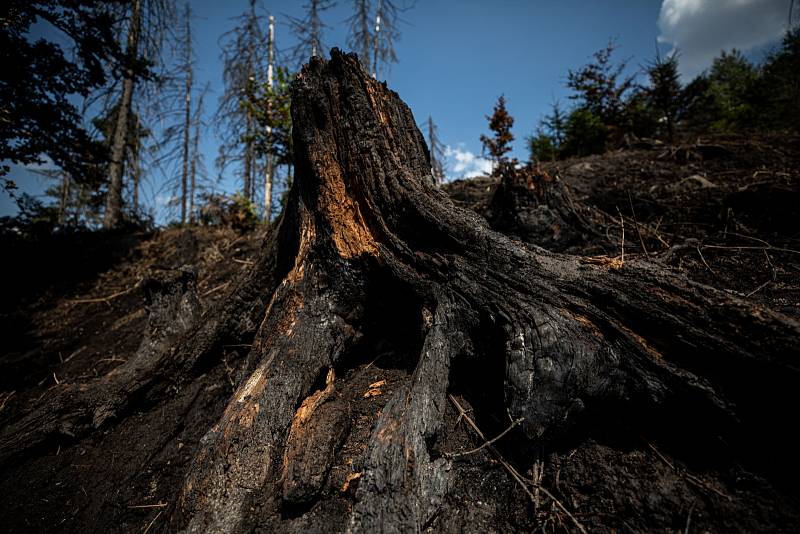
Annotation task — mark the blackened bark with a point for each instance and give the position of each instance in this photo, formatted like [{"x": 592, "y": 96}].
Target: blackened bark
[
  {"x": 565, "y": 339},
  {"x": 538, "y": 208},
  {"x": 577, "y": 335}
]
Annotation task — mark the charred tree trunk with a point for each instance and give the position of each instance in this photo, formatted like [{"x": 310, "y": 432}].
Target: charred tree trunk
[
  {"x": 369, "y": 254},
  {"x": 537, "y": 208}
]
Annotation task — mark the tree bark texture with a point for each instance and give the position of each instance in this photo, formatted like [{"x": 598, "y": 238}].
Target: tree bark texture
[
  {"x": 370, "y": 254},
  {"x": 113, "y": 213},
  {"x": 573, "y": 336}
]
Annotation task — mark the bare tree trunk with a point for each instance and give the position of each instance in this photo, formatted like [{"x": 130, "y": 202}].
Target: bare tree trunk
[
  {"x": 64, "y": 201},
  {"x": 249, "y": 161},
  {"x": 113, "y": 212},
  {"x": 270, "y": 167},
  {"x": 269, "y": 172},
  {"x": 193, "y": 168},
  {"x": 188, "y": 116},
  {"x": 437, "y": 153},
  {"x": 376, "y": 41},
  {"x": 136, "y": 179}
]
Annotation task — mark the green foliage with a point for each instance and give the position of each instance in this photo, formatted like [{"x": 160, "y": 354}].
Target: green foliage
[
  {"x": 731, "y": 80},
  {"x": 733, "y": 95},
  {"x": 500, "y": 122},
  {"x": 542, "y": 147},
  {"x": 236, "y": 211},
  {"x": 700, "y": 109},
  {"x": 40, "y": 78},
  {"x": 642, "y": 119},
  {"x": 271, "y": 108},
  {"x": 555, "y": 124},
  {"x": 664, "y": 97},
  {"x": 585, "y": 134},
  {"x": 34, "y": 219},
  {"x": 600, "y": 87},
  {"x": 778, "y": 88}
]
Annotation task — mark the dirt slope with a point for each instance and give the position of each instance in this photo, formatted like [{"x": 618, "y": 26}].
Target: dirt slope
[{"x": 723, "y": 211}]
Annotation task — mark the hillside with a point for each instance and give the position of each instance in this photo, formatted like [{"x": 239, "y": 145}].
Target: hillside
[{"x": 347, "y": 369}]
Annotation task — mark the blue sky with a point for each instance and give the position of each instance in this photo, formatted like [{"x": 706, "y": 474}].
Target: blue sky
[{"x": 457, "y": 57}]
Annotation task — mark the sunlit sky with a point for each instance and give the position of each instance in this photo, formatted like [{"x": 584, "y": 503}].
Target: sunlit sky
[{"x": 457, "y": 57}]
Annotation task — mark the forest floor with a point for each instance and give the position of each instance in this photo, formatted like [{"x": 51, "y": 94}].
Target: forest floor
[
  {"x": 724, "y": 211},
  {"x": 728, "y": 207}
]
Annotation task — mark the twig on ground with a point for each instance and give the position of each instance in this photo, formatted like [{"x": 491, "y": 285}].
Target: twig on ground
[
  {"x": 759, "y": 288},
  {"x": 776, "y": 249},
  {"x": 157, "y": 505},
  {"x": 704, "y": 261},
  {"x": 622, "y": 224},
  {"x": 153, "y": 521},
  {"x": 636, "y": 225},
  {"x": 487, "y": 443},
  {"x": 112, "y": 359},
  {"x": 4, "y": 398},
  {"x": 511, "y": 470},
  {"x": 215, "y": 289},
  {"x": 75, "y": 353},
  {"x": 378, "y": 357},
  {"x": 108, "y": 298},
  {"x": 687, "y": 476}
]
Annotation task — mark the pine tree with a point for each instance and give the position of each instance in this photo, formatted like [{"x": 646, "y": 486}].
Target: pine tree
[
  {"x": 601, "y": 86},
  {"x": 373, "y": 34},
  {"x": 41, "y": 80},
  {"x": 387, "y": 33},
  {"x": 309, "y": 31},
  {"x": 244, "y": 57},
  {"x": 113, "y": 213},
  {"x": 360, "y": 36},
  {"x": 147, "y": 25},
  {"x": 665, "y": 93},
  {"x": 500, "y": 122},
  {"x": 556, "y": 123},
  {"x": 196, "y": 160}
]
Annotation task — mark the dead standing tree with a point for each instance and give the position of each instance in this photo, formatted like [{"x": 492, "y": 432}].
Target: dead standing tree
[
  {"x": 437, "y": 152},
  {"x": 309, "y": 31},
  {"x": 113, "y": 213},
  {"x": 244, "y": 56},
  {"x": 364, "y": 226}
]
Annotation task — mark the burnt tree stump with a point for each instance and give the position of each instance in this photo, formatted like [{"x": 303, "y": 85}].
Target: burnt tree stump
[{"x": 367, "y": 244}]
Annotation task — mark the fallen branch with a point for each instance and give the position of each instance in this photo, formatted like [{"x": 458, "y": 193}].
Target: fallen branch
[
  {"x": 157, "y": 505},
  {"x": 490, "y": 442},
  {"x": 636, "y": 225},
  {"x": 153, "y": 521},
  {"x": 215, "y": 289},
  {"x": 686, "y": 476},
  {"x": 776, "y": 249},
  {"x": 108, "y": 298},
  {"x": 511, "y": 470},
  {"x": 4, "y": 397}
]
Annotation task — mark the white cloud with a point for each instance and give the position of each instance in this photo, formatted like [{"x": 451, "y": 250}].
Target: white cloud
[
  {"x": 461, "y": 163},
  {"x": 700, "y": 29}
]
